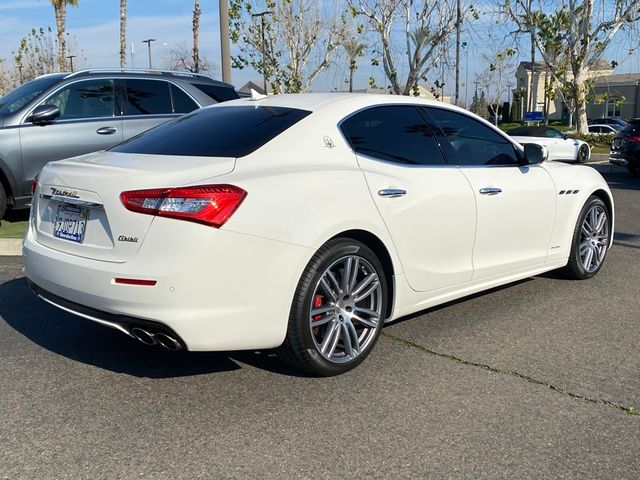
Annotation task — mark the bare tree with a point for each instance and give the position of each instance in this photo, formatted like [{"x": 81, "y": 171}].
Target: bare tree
[
  {"x": 300, "y": 40},
  {"x": 500, "y": 63},
  {"x": 580, "y": 30},
  {"x": 60, "y": 11},
  {"x": 425, "y": 26},
  {"x": 123, "y": 33},
  {"x": 180, "y": 58},
  {"x": 196, "y": 33}
]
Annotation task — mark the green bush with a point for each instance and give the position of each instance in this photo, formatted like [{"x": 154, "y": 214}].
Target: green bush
[{"x": 594, "y": 139}]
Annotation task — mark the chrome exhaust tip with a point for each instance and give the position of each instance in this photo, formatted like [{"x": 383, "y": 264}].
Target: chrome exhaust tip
[
  {"x": 167, "y": 341},
  {"x": 142, "y": 335}
]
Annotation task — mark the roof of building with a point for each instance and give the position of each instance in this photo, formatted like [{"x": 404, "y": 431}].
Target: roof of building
[
  {"x": 618, "y": 79},
  {"x": 540, "y": 66}
]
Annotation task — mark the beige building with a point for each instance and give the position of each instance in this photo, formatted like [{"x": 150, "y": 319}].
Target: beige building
[{"x": 526, "y": 75}]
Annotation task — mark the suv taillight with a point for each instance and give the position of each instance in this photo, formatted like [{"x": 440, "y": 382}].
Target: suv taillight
[
  {"x": 34, "y": 184},
  {"x": 634, "y": 138},
  {"x": 208, "y": 204}
]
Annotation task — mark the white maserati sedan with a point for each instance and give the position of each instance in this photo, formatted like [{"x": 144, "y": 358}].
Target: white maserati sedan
[
  {"x": 305, "y": 222},
  {"x": 559, "y": 145}
]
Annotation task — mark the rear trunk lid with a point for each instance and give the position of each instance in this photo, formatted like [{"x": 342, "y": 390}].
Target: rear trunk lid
[{"x": 77, "y": 208}]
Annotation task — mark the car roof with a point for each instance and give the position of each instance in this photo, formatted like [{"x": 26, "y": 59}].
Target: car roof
[
  {"x": 339, "y": 102},
  {"x": 150, "y": 73},
  {"x": 529, "y": 131}
]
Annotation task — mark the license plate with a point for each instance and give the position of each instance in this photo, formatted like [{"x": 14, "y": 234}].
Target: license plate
[{"x": 71, "y": 223}]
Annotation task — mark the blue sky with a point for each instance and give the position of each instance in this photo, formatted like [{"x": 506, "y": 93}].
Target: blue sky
[{"x": 95, "y": 28}]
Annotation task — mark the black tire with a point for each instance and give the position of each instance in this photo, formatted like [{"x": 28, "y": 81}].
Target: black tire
[
  {"x": 3, "y": 202},
  {"x": 302, "y": 345},
  {"x": 575, "y": 269},
  {"x": 583, "y": 154}
]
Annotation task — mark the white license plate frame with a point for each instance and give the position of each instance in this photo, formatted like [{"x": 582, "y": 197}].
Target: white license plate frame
[{"x": 71, "y": 223}]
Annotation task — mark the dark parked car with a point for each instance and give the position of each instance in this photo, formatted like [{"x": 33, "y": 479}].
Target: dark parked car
[
  {"x": 625, "y": 148},
  {"x": 67, "y": 114},
  {"x": 607, "y": 121}
]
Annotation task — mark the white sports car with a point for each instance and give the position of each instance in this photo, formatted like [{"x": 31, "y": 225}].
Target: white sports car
[
  {"x": 305, "y": 222},
  {"x": 560, "y": 146}
]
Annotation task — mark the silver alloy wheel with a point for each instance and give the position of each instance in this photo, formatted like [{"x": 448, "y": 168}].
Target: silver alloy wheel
[
  {"x": 594, "y": 238},
  {"x": 346, "y": 308}
]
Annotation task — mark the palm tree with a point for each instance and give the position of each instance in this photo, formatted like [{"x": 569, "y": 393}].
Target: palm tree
[
  {"x": 60, "y": 10},
  {"x": 354, "y": 50},
  {"x": 123, "y": 33},
  {"x": 196, "y": 32}
]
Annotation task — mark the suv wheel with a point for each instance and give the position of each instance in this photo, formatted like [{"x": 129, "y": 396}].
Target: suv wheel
[{"x": 3, "y": 202}]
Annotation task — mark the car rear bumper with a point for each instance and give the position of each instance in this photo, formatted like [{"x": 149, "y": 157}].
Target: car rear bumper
[{"x": 215, "y": 291}]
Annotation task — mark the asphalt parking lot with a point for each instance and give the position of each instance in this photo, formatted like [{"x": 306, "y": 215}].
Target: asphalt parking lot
[{"x": 540, "y": 379}]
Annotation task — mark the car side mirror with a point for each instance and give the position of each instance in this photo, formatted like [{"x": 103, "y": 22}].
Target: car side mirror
[
  {"x": 534, "y": 153},
  {"x": 44, "y": 114},
  {"x": 564, "y": 135}
]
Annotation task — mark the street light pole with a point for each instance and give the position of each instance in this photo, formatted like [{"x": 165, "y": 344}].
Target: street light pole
[
  {"x": 225, "y": 49},
  {"x": 148, "y": 42},
  {"x": 71, "y": 57},
  {"x": 264, "y": 63}
]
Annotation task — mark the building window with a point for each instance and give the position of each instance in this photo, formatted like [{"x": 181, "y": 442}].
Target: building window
[{"x": 613, "y": 108}]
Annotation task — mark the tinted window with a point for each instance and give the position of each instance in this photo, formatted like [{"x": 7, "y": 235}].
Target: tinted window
[
  {"x": 147, "y": 97},
  {"x": 182, "y": 103},
  {"x": 215, "y": 132},
  {"x": 19, "y": 97},
  {"x": 473, "y": 142},
  {"x": 217, "y": 93},
  {"x": 393, "y": 133},
  {"x": 86, "y": 99},
  {"x": 551, "y": 133}
]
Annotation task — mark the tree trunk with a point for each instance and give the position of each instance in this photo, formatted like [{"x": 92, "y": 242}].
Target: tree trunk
[
  {"x": 351, "y": 69},
  {"x": 580, "y": 96},
  {"x": 458, "y": 31},
  {"x": 123, "y": 33},
  {"x": 196, "y": 32},
  {"x": 60, "y": 11}
]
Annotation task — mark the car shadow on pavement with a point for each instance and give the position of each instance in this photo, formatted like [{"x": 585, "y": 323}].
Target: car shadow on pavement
[
  {"x": 87, "y": 342},
  {"x": 457, "y": 301},
  {"x": 622, "y": 181}
]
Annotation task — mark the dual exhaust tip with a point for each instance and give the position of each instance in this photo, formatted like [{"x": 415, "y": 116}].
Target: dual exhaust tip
[{"x": 157, "y": 338}]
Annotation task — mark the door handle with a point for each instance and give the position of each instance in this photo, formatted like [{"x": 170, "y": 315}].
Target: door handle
[
  {"x": 392, "y": 192},
  {"x": 106, "y": 130},
  {"x": 490, "y": 191}
]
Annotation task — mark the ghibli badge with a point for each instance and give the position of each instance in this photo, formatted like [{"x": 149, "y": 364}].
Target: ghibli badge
[{"x": 126, "y": 238}]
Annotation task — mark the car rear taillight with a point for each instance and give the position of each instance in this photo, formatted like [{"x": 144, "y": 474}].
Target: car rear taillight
[
  {"x": 634, "y": 138},
  {"x": 208, "y": 204},
  {"x": 34, "y": 184}
]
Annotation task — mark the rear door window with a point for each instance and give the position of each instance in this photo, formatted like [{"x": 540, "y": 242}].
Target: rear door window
[
  {"x": 182, "y": 103},
  {"x": 147, "y": 97},
  {"x": 215, "y": 132},
  {"x": 395, "y": 133}
]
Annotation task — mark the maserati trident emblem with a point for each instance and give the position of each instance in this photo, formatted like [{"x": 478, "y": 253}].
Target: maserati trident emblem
[{"x": 64, "y": 193}]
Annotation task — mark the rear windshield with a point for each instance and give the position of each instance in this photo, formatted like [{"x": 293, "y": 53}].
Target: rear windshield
[
  {"x": 632, "y": 127},
  {"x": 215, "y": 132}
]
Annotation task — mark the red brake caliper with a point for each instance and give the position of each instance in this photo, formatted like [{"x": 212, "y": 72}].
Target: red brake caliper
[{"x": 318, "y": 300}]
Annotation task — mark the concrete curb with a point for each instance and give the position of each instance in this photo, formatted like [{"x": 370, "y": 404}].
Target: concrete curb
[{"x": 10, "y": 247}]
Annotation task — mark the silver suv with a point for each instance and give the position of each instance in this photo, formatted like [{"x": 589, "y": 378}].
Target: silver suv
[{"x": 67, "y": 114}]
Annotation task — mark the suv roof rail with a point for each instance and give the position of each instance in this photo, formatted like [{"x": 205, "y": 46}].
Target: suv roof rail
[{"x": 138, "y": 70}]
